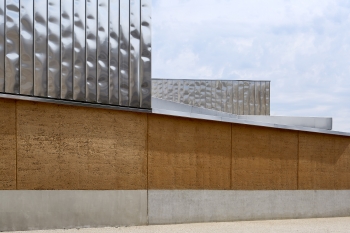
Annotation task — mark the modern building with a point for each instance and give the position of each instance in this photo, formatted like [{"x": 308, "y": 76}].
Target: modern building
[{"x": 84, "y": 143}]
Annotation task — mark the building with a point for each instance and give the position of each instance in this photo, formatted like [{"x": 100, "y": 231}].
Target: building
[{"x": 81, "y": 144}]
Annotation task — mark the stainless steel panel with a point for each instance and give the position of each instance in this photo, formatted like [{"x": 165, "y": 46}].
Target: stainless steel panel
[
  {"x": 223, "y": 96},
  {"x": 40, "y": 48},
  {"x": 79, "y": 59},
  {"x": 246, "y": 98},
  {"x": 54, "y": 49},
  {"x": 213, "y": 94},
  {"x": 155, "y": 88},
  {"x": 77, "y": 50},
  {"x": 2, "y": 45},
  {"x": 202, "y": 91},
  {"x": 12, "y": 63},
  {"x": 176, "y": 90},
  {"x": 124, "y": 53},
  {"x": 165, "y": 89},
  {"x": 160, "y": 89},
  {"x": 67, "y": 22},
  {"x": 186, "y": 94},
  {"x": 27, "y": 47},
  {"x": 263, "y": 99},
  {"x": 229, "y": 96},
  {"x": 114, "y": 52},
  {"x": 181, "y": 91},
  {"x": 208, "y": 93},
  {"x": 197, "y": 91},
  {"x": 252, "y": 98},
  {"x": 91, "y": 58},
  {"x": 218, "y": 95},
  {"x": 257, "y": 98},
  {"x": 191, "y": 92},
  {"x": 240, "y": 98},
  {"x": 267, "y": 110},
  {"x": 102, "y": 53},
  {"x": 135, "y": 31},
  {"x": 145, "y": 64},
  {"x": 235, "y": 105},
  {"x": 170, "y": 90}
]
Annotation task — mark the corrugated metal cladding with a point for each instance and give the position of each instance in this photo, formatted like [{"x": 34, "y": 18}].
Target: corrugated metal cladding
[
  {"x": 96, "y": 51},
  {"x": 236, "y": 97}
]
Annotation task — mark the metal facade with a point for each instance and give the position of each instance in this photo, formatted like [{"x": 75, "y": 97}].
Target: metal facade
[
  {"x": 94, "y": 51},
  {"x": 236, "y": 97}
]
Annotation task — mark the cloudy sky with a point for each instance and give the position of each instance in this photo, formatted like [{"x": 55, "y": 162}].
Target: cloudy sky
[{"x": 302, "y": 47}]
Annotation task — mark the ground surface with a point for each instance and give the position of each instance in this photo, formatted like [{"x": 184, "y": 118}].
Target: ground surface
[{"x": 319, "y": 225}]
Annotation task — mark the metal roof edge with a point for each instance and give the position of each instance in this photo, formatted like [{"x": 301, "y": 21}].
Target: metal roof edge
[
  {"x": 247, "y": 122},
  {"x": 73, "y": 103}
]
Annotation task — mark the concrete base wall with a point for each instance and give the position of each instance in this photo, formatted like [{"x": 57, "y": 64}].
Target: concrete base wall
[
  {"x": 29, "y": 210},
  {"x": 187, "y": 206},
  {"x": 57, "y": 209}
]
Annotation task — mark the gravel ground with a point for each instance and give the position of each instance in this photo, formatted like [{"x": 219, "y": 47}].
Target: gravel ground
[{"x": 318, "y": 225}]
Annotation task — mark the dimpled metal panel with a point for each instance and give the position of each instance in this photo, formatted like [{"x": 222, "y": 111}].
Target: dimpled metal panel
[
  {"x": 67, "y": 23},
  {"x": 94, "y": 51},
  {"x": 40, "y": 48},
  {"x": 267, "y": 87},
  {"x": 2, "y": 45},
  {"x": 145, "y": 65},
  {"x": 263, "y": 99},
  {"x": 135, "y": 31},
  {"x": 54, "y": 49},
  {"x": 91, "y": 41},
  {"x": 27, "y": 47},
  {"x": 114, "y": 52},
  {"x": 102, "y": 53},
  {"x": 12, "y": 63},
  {"x": 231, "y": 96}
]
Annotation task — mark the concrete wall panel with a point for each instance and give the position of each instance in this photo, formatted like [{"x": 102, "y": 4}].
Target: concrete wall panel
[
  {"x": 65, "y": 147},
  {"x": 7, "y": 144},
  {"x": 264, "y": 158},
  {"x": 186, "y": 206},
  {"x": 58, "y": 209},
  {"x": 324, "y": 161},
  {"x": 188, "y": 154}
]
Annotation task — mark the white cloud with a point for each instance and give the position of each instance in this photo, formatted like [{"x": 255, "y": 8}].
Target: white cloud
[{"x": 303, "y": 47}]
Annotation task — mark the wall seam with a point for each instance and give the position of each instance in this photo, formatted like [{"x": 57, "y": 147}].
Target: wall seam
[
  {"x": 231, "y": 160},
  {"x": 298, "y": 161},
  {"x": 16, "y": 135},
  {"x": 147, "y": 148}
]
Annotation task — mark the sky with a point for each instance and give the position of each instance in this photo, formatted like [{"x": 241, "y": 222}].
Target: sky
[{"x": 302, "y": 47}]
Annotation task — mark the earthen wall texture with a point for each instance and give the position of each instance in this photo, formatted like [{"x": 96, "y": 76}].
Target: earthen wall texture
[
  {"x": 324, "y": 161},
  {"x": 7, "y": 144},
  {"x": 188, "y": 153},
  {"x": 264, "y": 158},
  {"x": 66, "y": 147},
  {"x": 49, "y": 146}
]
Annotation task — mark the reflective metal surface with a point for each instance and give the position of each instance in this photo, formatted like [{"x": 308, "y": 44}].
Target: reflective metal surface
[
  {"x": 26, "y": 47},
  {"x": 80, "y": 50},
  {"x": 124, "y": 52},
  {"x": 146, "y": 54},
  {"x": 114, "y": 52},
  {"x": 102, "y": 53},
  {"x": 12, "y": 62},
  {"x": 135, "y": 33},
  {"x": 2, "y": 45},
  {"x": 79, "y": 73},
  {"x": 91, "y": 58},
  {"x": 54, "y": 49},
  {"x": 40, "y": 48},
  {"x": 230, "y": 96},
  {"x": 67, "y": 49}
]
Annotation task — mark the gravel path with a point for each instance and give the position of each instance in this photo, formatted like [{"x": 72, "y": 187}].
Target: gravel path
[{"x": 319, "y": 225}]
